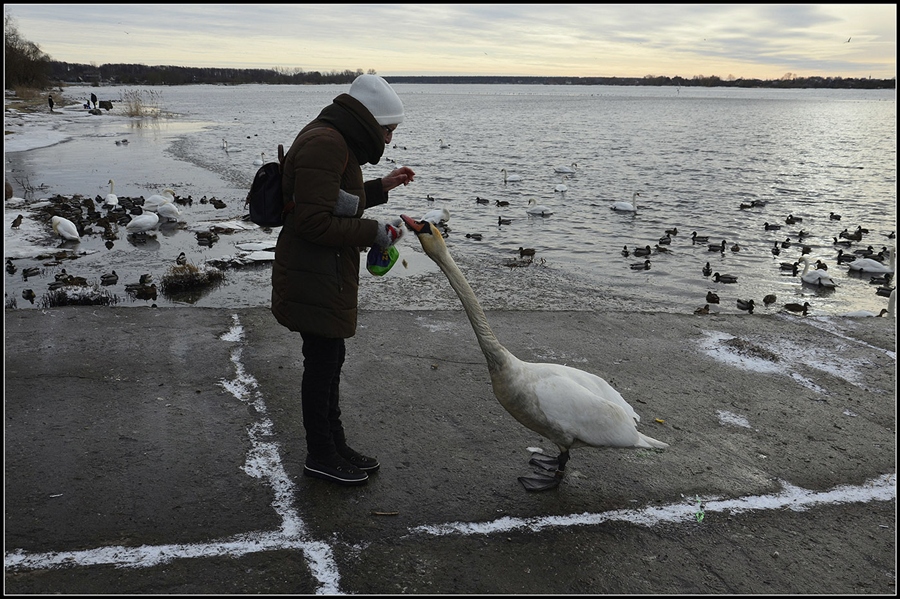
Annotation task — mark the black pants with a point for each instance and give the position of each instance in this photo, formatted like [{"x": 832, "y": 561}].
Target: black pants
[{"x": 323, "y": 358}]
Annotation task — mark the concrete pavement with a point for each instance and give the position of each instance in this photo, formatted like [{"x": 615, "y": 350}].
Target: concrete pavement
[{"x": 161, "y": 451}]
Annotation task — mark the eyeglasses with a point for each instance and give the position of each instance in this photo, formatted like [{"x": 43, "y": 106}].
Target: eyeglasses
[{"x": 388, "y": 130}]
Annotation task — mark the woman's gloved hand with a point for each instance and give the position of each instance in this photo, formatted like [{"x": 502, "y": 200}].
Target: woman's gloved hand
[{"x": 389, "y": 232}]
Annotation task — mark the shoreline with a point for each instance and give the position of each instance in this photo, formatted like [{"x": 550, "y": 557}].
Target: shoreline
[{"x": 89, "y": 156}]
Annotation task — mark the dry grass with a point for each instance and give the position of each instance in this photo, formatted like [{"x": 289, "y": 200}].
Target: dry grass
[
  {"x": 82, "y": 296},
  {"x": 141, "y": 102},
  {"x": 28, "y": 99},
  {"x": 187, "y": 277}
]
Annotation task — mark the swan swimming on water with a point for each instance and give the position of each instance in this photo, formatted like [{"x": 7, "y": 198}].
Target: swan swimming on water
[
  {"x": 437, "y": 216},
  {"x": 870, "y": 265},
  {"x": 536, "y": 209},
  {"x": 562, "y": 185},
  {"x": 570, "y": 407},
  {"x": 566, "y": 169},
  {"x": 511, "y": 178},
  {"x": 626, "y": 206},
  {"x": 819, "y": 278}
]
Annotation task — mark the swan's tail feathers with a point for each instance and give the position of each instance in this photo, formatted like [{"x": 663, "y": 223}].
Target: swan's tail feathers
[{"x": 650, "y": 442}]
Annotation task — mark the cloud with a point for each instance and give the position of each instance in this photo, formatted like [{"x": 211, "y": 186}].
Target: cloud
[{"x": 747, "y": 40}]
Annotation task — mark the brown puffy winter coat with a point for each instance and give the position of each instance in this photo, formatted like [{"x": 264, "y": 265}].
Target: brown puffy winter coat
[{"x": 315, "y": 276}]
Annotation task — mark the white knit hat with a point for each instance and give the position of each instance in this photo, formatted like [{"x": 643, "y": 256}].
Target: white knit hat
[{"x": 379, "y": 97}]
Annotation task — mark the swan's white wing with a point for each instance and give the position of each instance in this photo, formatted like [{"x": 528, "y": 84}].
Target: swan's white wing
[
  {"x": 143, "y": 222},
  {"x": 168, "y": 210},
  {"x": 567, "y": 404},
  {"x": 592, "y": 383},
  {"x": 585, "y": 415},
  {"x": 869, "y": 265},
  {"x": 155, "y": 201},
  {"x": 539, "y": 209}
]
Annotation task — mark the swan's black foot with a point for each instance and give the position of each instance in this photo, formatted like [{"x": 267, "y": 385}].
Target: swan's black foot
[
  {"x": 544, "y": 480},
  {"x": 541, "y": 482},
  {"x": 544, "y": 461}
]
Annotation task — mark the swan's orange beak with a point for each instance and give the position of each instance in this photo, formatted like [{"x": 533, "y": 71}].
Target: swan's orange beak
[{"x": 417, "y": 227}]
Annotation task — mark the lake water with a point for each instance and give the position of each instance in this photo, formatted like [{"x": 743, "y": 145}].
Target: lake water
[{"x": 694, "y": 155}]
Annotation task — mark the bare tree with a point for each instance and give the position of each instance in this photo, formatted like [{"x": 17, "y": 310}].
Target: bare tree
[{"x": 26, "y": 64}]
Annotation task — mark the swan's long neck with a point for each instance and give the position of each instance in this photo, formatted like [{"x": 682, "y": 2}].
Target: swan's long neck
[{"x": 496, "y": 355}]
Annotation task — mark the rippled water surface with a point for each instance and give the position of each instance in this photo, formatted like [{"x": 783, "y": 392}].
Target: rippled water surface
[{"x": 694, "y": 155}]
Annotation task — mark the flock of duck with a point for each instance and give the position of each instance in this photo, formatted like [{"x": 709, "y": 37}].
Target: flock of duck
[
  {"x": 143, "y": 289},
  {"x": 815, "y": 274},
  {"x": 70, "y": 219},
  {"x": 861, "y": 260},
  {"x": 108, "y": 216}
]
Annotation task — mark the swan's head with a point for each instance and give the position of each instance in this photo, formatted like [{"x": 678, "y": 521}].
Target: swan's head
[{"x": 428, "y": 235}]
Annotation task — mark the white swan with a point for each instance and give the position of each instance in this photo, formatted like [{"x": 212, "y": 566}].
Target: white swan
[
  {"x": 111, "y": 198},
  {"x": 819, "y": 278},
  {"x": 566, "y": 169},
  {"x": 562, "y": 185},
  {"x": 437, "y": 216},
  {"x": 626, "y": 206},
  {"x": 261, "y": 160},
  {"x": 142, "y": 223},
  {"x": 65, "y": 228},
  {"x": 511, "y": 178},
  {"x": 536, "y": 209},
  {"x": 570, "y": 407},
  {"x": 869, "y": 265},
  {"x": 156, "y": 200},
  {"x": 443, "y": 145},
  {"x": 168, "y": 211}
]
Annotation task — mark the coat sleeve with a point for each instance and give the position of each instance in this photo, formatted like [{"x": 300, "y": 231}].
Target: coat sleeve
[{"x": 375, "y": 194}]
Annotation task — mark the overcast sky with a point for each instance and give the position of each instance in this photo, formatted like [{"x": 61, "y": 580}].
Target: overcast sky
[{"x": 741, "y": 40}]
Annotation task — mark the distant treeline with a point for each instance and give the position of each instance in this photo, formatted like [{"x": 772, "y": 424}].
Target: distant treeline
[{"x": 137, "y": 74}]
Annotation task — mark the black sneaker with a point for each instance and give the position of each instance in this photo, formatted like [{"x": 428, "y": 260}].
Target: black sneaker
[
  {"x": 363, "y": 462},
  {"x": 335, "y": 469}
]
